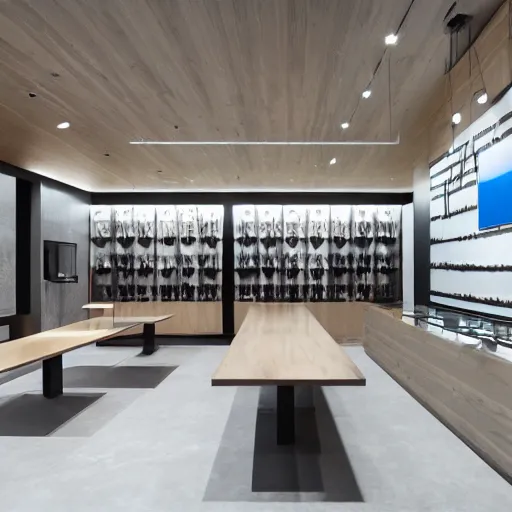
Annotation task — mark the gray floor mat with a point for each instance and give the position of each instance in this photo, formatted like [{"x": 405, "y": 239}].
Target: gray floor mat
[
  {"x": 36, "y": 416},
  {"x": 116, "y": 376}
]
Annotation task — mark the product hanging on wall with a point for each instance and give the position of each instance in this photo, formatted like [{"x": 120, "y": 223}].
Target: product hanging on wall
[
  {"x": 270, "y": 237},
  {"x": 166, "y": 253},
  {"x": 317, "y": 253},
  {"x": 144, "y": 253},
  {"x": 341, "y": 258},
  {"x": 100, "y": 255},
  {"x": 246, "y": 256},
  {"x": 167, "y": 280},
  {"x": 211, "y": 221},
  {"x": 124, "y": 254}
]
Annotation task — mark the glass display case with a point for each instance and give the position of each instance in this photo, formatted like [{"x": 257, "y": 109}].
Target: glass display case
[{"x": 480, "y": 332}]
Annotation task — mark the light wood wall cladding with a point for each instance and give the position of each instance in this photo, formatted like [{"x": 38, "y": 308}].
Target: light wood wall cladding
[
  {"x": 190, "y": 318},
  {"x": 469, "y": 390},
  {"x": 342, "y": 320},
  {"x": 487, "y": 64},
  {"x": 230, "y": 74}
]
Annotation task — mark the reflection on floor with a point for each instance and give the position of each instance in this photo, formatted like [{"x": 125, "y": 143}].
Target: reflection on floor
[{"x": 185, "y": 446}]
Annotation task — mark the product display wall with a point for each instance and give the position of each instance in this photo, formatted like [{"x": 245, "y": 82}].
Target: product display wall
[
  {"x": 317, "y": 253},
  {"x": 165, "y": 253},
  {"x": 470, "y": 268}
]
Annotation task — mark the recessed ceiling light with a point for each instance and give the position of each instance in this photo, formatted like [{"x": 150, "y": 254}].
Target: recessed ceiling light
[
  {"x": 391, "y": 39},
  {"x": 344, "y": 126},
  {"x": 482, "y": 98},
  {"x": 63, "y": 126},
  {"x": 456, "y": 118},
  {"x": 332, "y": 162},
  {"x": 366, "y": 94}
]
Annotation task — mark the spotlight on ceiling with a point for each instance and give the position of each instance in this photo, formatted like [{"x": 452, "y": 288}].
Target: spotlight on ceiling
[
  {"x": 332, "y": 162},
  {"x": 391, "y": 39},
  {"x": 344, "y": 126},
  {"x": 481, "y": 97},
  {"x": 63, "y": 126},
  {"x": 456, "y": 118},
  {"x": 366, "y": 94}
]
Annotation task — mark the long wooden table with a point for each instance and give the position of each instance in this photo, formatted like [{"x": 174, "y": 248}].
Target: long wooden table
[
  {"x": 48, "y": 346},
  {"x": 285, "y": 345}
]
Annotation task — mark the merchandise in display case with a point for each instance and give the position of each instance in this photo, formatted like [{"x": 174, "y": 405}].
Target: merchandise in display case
[
  {"x": 166, "y": 253},
  {"x": 317, "y": 253},
  {"x": 472, "y": 330}
]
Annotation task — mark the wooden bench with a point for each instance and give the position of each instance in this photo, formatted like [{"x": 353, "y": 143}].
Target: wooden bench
[
  {"x": 48, "y": 346},
  {"x": 285, "y": 346}
]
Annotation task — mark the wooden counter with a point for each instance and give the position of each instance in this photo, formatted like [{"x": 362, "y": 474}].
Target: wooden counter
[{"x": 467, "y": 389}]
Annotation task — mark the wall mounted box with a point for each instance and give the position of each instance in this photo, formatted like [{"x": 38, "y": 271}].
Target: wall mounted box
[{"x": 60, "y": 262}]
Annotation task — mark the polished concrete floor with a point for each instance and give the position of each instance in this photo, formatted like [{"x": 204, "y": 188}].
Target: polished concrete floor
[{"x": 185, "y": 446}]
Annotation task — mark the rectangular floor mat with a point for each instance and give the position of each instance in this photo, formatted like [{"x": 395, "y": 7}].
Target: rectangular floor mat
[
  {"x": 36, "y": 416},
  {"x": 116, "y": 376}
]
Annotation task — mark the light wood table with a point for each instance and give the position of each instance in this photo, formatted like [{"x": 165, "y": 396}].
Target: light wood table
[
  {"x": 284, "y": 345},
  {"x": 150, "y": 344},
  {"x": 48, "y": 346}
]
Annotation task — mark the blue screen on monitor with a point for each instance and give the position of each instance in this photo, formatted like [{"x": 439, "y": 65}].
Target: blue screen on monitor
[{"x": 495, "y": 186}]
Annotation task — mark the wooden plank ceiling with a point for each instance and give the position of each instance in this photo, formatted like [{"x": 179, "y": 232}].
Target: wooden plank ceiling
[{"x": 211, "y": 70}]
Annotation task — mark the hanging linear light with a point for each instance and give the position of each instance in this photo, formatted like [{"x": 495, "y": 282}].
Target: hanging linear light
[{"x": 266, "y": 143}]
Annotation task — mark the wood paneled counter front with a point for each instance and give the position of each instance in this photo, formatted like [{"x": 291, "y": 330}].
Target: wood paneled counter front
[{"x": 468, "y": 389}]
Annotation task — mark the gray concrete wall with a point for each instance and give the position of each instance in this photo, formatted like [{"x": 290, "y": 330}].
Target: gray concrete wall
[
  {"x": 7, "y": 245},
  {"x": 65, "y": 218}
]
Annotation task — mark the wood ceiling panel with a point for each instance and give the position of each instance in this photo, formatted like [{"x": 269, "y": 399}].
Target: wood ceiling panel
[{"x": 203, "y": 70}]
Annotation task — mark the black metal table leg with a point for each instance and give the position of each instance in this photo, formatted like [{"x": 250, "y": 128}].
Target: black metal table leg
[
  {"x": 150, "y": 345},
  {"x": 285, "y": 415},
  {"x": 52, "y": 377}
]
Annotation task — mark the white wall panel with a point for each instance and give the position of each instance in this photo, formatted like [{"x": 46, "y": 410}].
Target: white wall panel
[
  {"x": 492, "y": 248},
  {"x": 481, "y": 251}
]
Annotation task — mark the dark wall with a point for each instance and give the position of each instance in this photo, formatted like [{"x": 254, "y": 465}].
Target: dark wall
[
  {"x": 232, "y": 198},
  {"x": 65, "y": 218},
  {"x": 45, "y": 208},
  {"x": 421, "y": 235}
]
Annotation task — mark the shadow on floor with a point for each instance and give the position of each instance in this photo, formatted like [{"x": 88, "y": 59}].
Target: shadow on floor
[
  {"x": 316, "y": 468},
  {"x": 35, "y": 416}
]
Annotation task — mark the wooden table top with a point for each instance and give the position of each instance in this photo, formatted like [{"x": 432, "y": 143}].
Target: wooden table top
[
  {"x": 46, "y": 344},
  {"x": 118, "y": 320},
  {"x": 284, "y": 344}
]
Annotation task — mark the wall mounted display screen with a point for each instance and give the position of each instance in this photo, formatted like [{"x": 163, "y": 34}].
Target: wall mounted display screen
[
  {"x": 164, "y": 253},
  {"x": 296, "y": 253},
  {"x": 495, "y": 185}
]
